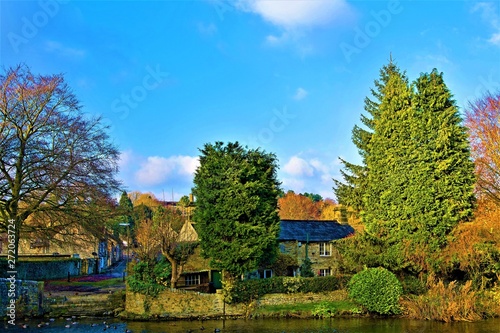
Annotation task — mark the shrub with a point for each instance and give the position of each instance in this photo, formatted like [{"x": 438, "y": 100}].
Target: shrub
[
  {"x": 377, "y": 289},
  {"x": 281, "y": 264},
  {"x": 323, "y": 310},
  {"x": 412, "y": 285},
  {"x": 293, "y": 284},
  {"x": 443, "y": 302},
  {"x": 324, "y": 283},
  {"x": 306, "y": 268},
  {"x": 149, "y": 277},
  {"x": 247, "y": 290}
]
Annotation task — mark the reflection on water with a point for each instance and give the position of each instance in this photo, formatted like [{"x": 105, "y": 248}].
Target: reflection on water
[{"x": 335, "y": 325}]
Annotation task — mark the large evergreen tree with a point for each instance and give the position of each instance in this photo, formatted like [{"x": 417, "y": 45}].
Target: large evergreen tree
[
  {"x": 418, "y": 180},
  {"x": 350, "y": 191},
  {"x": 236, "y": 191},
  {"x": 442, "y": 181}
]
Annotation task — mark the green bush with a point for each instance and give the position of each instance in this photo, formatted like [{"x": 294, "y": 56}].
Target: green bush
[
  {"x": 293, "y": 284},
  {"x": 377, "y": 289},
  {"x": 149, "y": 277},
  {"x": 306, "y": 268},
  {"x": 324, "y": 283},
  {"x": 412, "y": 285},
  {"x": 248, "y": 290},
  {"x": 323, "y": 310}
]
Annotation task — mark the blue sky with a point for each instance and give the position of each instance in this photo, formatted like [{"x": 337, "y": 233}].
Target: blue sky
[{"x": 289, "y": 76}]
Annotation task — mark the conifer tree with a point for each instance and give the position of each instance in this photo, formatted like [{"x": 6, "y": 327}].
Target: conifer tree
[
  {"x": 418, "y": 177},
  {"x": 442, "y": 181},
  {"x": 236, "y": 214},
  {"x": 350, "y": 191},
  {"x": 388, "y": 162}
]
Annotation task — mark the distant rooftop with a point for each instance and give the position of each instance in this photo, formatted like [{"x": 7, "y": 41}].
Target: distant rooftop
[{"x": 318, "y": 231}]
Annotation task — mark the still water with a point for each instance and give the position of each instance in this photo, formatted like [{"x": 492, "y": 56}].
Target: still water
[{"x": 335, "y": 325}]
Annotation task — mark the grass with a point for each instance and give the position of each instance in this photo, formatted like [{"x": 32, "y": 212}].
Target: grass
[
  {"x": 306, "y": 309},
  {"x": 98, "y": 284}
]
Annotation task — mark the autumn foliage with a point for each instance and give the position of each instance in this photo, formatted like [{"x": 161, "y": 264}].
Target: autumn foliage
[
  {"x": 298, "y": 207},
  {"x": 483, "y": 122}
]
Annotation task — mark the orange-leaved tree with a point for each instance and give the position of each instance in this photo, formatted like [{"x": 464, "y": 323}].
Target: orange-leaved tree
[
  {"x": 483, "y": 122},
  {"x": 298, "y": 207}
]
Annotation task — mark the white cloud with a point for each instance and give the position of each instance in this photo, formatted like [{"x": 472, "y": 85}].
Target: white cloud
[
  {"x": 495, "y": 39},
  {"x": 300, "y": 94},
  {"x": 310, "y": 172},
  {"x": 291, "y": 14},
  {"x": 157, "y": 169},
  {"x": 277, "y": 40},
  {"x": 125, "y": 159},
  {"x": 207, "y": 29},
  {"x": 489, "y": 13},
  {"x": 60, "y": 49},
  {"x": 296, "y": 185},
  {"x": 297, "y": 166}
]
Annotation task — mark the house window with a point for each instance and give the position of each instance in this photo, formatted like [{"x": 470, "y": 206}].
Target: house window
[
  {"x": 325, "y": 272},
  {"x": 325, "y": 249},
  {"x": 267, "y": 273},
  {"x": 193, "y": 279}
]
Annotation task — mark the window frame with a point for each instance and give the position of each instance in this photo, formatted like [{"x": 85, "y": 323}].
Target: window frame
[
  {"x": 324, "y": 271},
  {"x": 323, "y": 252},
  {"x": 192, "y": 280}
]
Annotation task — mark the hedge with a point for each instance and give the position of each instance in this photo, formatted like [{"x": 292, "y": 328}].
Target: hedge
[{"x": 248, "y": 290}]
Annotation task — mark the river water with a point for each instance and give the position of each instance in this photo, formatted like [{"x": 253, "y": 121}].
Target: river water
[{"x": 334, "y": 325}]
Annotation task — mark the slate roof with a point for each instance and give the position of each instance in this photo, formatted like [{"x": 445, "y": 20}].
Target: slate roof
[{"x": 319, "y": 231}]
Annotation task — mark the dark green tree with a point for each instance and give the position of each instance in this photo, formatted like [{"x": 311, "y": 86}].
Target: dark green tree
[
  {"x": 442, "y": 180},
  {"x": 389, "y": 149},
  {"x": 125, "y": 213},
  {"x": 313, "y": 196},
  {"x": 184, "y": 201},
  {"x": 236, "y": 192},
  {"x": 417, "y": 183}
]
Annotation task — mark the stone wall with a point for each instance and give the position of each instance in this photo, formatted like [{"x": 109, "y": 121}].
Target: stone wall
[
  {"x": 48, "y": 269},
  {"x": 179, "y": 304},
  {"x": 318, "y": 262},
  {"x": 28, "y": 298},
  {"x": 186, "y": 304},
  {"x": 280, "y": 299}
]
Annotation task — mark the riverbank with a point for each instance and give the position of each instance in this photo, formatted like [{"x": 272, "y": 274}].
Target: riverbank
[{"x": 99, "y": 295}]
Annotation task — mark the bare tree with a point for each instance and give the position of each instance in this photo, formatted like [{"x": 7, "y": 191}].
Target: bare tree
[
  {"x": 168, "y": 223},
  {"x": 57, "y": 164},
  {"x": 148, "y": 239}
]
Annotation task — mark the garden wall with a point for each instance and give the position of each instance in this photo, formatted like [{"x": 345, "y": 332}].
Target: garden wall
[
  {"x": 50, "y": 269},
  {"x": 187, "y": 304},
  {"x": 28, "y": 298}
]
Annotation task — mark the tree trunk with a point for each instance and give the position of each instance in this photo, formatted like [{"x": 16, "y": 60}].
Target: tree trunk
[
  {"x": 176, "y": 269},
  {"x": 174, "y": 278}
]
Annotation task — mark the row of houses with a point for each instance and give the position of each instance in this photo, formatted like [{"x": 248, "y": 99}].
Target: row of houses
[
  {"x": 298, "y": 239},
  {"x": 105, "y": 249}
]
